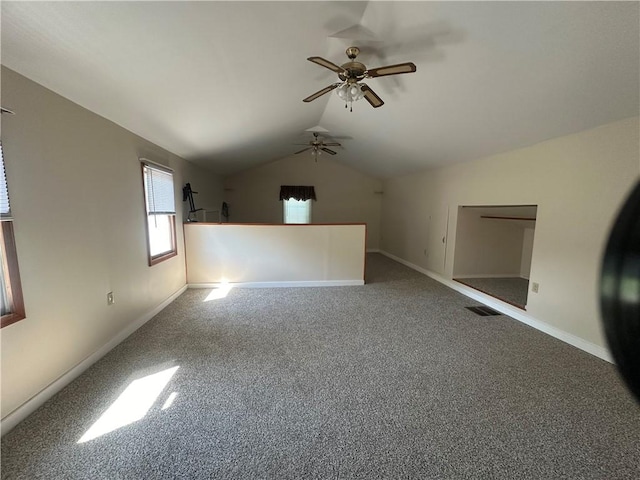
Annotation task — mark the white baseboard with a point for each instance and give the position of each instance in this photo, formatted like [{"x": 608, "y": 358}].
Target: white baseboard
[
  {"x": 31, "y": 405},
  {"x": 511, "y": 311},
  {"x": 312, "y": 283},
  {"x": 490, "y": 275},
  {"x": 373, "y": 250}
]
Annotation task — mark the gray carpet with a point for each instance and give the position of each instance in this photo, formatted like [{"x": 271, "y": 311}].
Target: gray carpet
[
  {"x": 394, "y": 379},
  {"x": 513, "y": 290}
]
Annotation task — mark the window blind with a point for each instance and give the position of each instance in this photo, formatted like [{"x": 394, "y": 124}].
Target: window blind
[
  {"x": 5, "y": 208},
  {"x": 158, "y": 185},
  {"x": 297, "y": 211}
]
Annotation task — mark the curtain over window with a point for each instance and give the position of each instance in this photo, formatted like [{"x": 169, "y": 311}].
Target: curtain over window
[{"x": 297, "y": 192}]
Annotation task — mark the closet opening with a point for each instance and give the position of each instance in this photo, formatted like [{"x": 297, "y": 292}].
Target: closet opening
[{"x": 493, "y": 251}]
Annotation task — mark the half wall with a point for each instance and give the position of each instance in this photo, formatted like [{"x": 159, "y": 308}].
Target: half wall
[{"x": 275, "y": 255}]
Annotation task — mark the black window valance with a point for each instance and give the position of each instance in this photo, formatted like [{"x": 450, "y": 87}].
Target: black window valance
[{"x": 298, "y": 192}]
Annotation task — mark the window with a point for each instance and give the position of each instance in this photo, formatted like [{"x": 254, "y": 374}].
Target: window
[
  {"x": 297, "y": 211},
  {"x": 161, "y": 213},
  {"x": 11, "y": 292},
  {"x": 296, "y": 203}
]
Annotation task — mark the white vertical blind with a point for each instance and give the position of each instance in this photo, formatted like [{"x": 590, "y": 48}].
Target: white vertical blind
[
  {"x": 5, "y": 208},
  {"x": 158, "y": 186}
]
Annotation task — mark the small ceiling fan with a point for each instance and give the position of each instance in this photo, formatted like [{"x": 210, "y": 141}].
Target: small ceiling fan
[
  {"x": 318, "y": 145},
  {"x": 350, "y": 87}
]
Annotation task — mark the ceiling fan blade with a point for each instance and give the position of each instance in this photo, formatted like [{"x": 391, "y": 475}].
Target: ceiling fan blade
[
  {"x": 407, "y": 67},
  {"x": 371, "y": 97},
  {"x": 339, "y": 137},
  {"x": 333, "y": 144},
  {"x": 329, "y": 151},
  {"x": 303, "y": 150},
  {"x": 326, "y": 64},
  {"x": 319, "y": 93}
]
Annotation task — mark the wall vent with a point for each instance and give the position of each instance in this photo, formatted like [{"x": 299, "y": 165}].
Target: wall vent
[{"x": 483, "y": 311}]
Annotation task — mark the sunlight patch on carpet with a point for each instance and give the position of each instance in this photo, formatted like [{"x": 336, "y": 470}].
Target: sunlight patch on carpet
[
  {"x": 221, "y": 292},
  {"x": 132, "y": 404},
  {"x": 169, "y": 401}
]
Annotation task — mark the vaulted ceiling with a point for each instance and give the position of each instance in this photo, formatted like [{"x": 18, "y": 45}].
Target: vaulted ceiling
[{"x": 222, "y": 83}]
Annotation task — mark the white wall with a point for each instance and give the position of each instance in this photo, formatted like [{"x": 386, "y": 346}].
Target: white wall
[
  {"x": 577, "y": 181},
  {"x": 527, "y": 252},
  {"x": 344, "y": 195},
  {"x": 486, "y": 247},
  {"x": 275, "y": 254},
  {"x": 76, "y": 194}
]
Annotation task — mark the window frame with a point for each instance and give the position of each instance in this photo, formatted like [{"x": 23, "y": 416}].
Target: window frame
[
  {"x": 10, "y": 268},
  {"x": 13, "y": 285},
  {"x": 161, "y": 257}
]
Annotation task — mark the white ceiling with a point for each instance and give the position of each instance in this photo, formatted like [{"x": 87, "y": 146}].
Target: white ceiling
[{"x": 222, "y": 83}]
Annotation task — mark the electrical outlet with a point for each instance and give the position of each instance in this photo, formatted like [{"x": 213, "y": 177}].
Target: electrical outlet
[
  {"x": 534, "y": 287},
  {"x": 110, "y": 300}
]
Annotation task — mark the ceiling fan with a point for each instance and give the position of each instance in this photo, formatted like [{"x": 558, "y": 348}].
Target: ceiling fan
[
  {"x": 350, "y": 87},
  {"x": 318, "y": 145}
]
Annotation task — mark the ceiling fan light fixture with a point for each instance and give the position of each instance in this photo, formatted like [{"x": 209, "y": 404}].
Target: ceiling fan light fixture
[{"x": 350, "y": 92}]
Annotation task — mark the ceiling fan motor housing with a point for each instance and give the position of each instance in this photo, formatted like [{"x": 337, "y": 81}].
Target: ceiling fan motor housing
[{"x": 354, "y": 71}]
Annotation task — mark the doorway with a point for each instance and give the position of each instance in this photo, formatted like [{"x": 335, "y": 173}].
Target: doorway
[{"x": 493, "y": 251}]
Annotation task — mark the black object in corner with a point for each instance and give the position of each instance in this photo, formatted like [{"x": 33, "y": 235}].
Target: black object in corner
[{"x": 620, "y": 291}]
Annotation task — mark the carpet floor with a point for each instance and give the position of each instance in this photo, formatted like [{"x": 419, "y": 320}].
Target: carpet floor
[
  {"x": 510, "y": 289},
  {"x": 394, "y": 379}
]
